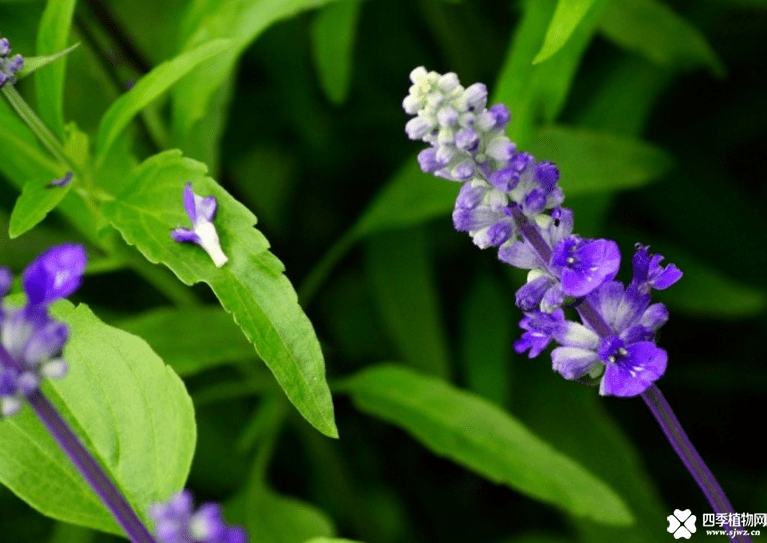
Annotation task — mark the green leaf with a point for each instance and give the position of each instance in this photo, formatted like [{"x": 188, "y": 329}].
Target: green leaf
[
  {"x": 251, "y": 285},
  {"x": 283, "y": 519},
  {"x": 486, "y": 326},
  {"x": 130, "y": 410},
  {"x": 478, "y": 435},
  {"x": 536, "y": 93},
  {"x": 567, "y": 16},
  {"x": 598, "y": 162},
  {"x": 403, "y": 283},
  {"x": 37, "y": 197},
  {"x": 52, "y": 36},
  {"x": 32, "y": 64},
  {"x": 191, "y": 339},
  {"x": 149, "y": 88},
  {"x": 333, "y": 36},
  {"x": 330, "y": 540},
  {"x": 652, "y": 29},
  {"x": 23, "y": 157},
  {"x": 241, "y": 21}
]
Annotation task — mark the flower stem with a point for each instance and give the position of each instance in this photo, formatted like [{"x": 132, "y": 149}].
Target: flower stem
[
  {"x": 690, "y": 457},
  {"x": 88, "y": 467}
]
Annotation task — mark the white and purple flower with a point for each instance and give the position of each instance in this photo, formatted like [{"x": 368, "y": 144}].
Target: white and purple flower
[{"x": 201, "y": 211}]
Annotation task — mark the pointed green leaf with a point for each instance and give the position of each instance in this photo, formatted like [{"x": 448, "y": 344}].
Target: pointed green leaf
[
  {"x": 52, "y": 36},
  {"x": 191, "y": 339},
  {"x": 333, "y": 33},
  {"x": 32, "y": 64},
  {"x": 567, "y": 15},
  {"x": 652, "y": 29},
  {"x": 536, "y": 93},
  {"x": 599, "y": 162},
  {"x": 251, "y": 285},
  {"x": 149, "y": 88},
  {"x": 478, "y": 435},
  {"x": 403, "y": 283},
  {"x": 129, "y": 409}
]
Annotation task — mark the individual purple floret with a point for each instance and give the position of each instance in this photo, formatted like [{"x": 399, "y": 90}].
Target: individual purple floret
[
  {"x": 176, "y": 522},
  {"x": 8, "y": 65},
  {"x": 32, "y": 341},
  {"x": 201, "y": 211}
]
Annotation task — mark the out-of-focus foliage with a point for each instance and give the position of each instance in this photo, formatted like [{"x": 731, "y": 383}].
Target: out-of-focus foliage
[{"x": 654, "y": 111}]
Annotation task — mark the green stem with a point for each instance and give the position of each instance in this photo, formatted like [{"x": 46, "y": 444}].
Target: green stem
[{"x": 37, "y": 126}]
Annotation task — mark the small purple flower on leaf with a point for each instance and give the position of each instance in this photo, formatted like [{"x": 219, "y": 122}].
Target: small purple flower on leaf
[
  {"x": 176, "y": 522},
  {"x": 201, "y": 211}
]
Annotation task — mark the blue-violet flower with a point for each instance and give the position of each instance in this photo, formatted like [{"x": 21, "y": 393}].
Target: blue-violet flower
[
  {"x": 201, "y": 211},
  {"x": 8, "y": 65},
  {"x": 176, "y": 522},
  {"x": 31, "y": 340}
]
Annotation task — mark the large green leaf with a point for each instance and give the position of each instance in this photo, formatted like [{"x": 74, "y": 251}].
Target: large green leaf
[
  {"x": 567, "y": 15},
  {"x": 333, "y": 33},
  {"x": 191, "y": 339},
  {"x": 149, "y": 88},
  {"x": 403, "y": 284},
  {"x": 52, "y": 37},
  {"x": 652, "y": 29},
  {"x": 599, "y": 162},
  {"x": 476, "y": 434},
  {"x": 251, "y": 285},
  {"x": 242, "y": 21},
  {"x": 129, "y": 409}
]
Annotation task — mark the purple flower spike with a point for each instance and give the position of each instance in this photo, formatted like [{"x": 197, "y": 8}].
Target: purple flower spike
[
  {"x": 201, "y": 211},
  {"x": 175, "y": 522},
  {"x": 55, "y": 274}
]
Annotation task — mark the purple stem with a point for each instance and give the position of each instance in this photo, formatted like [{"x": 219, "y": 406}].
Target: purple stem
[
  {"x": 652, "y": 396},
  {"x": 88, "y": 467},
  {"x": 690, "y": 457}
]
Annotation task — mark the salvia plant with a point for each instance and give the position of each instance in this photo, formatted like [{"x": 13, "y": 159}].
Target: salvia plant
[{"x": 137, "y": 137}]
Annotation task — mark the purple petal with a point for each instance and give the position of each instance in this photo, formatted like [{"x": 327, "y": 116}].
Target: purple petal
[
  {"x": 183, "y": 235},
  {"x": 63, "y": 182},
  {"x": 547, "y": 175},
  {"x": 6, "y": 280},
  {"x": 45, "y": 342},
  {"x": 206, "y": 207},
  {"x": 191, "y": 209},
  {"x": 586, "y": 264},
  {"x": 55, "y": 274},
  {"x": 644, "y": 364},
  {"x": 529, "y": 296},
  {"x": 520, "y": 255}
]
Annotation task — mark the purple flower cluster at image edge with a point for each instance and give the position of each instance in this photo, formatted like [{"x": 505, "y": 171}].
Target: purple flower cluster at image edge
[
  {"x": 29, "y": 336},
  {"x": 177, "y": 522},
  {"x": 9, "y": 65},
  {"x": 511, "y": 201}
]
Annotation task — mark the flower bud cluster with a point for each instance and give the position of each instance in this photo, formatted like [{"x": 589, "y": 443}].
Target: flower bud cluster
[
  {"x": 31, "y": 341},
  {"x": 510, "y": 201},
  {"x": 9, "y": 65}
]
